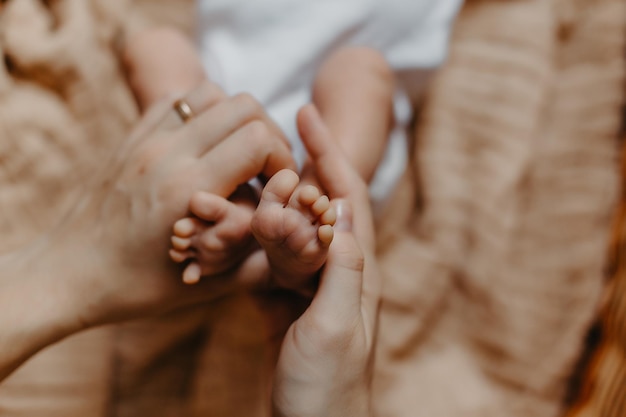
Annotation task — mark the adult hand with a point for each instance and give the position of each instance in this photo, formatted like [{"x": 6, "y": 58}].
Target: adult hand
[
  {"x": 108, "y": 260},
  {"x": 323, "y": 366}
]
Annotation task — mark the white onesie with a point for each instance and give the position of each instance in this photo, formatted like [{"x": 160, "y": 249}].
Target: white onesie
[{"x": 273, "y": 48}]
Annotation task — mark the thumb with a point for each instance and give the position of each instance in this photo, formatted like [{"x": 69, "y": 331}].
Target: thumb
[
  {"x": 338, "y": 299},
  {"x": 331, "y": 167}
]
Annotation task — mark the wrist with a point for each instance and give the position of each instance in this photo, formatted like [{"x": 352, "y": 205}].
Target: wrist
[{"x": 38, "y": 303}]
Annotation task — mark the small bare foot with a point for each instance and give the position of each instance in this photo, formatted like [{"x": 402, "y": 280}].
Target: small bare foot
[
  {"x": 216, "y": 240},
  {"x": 294, "y": 226}
]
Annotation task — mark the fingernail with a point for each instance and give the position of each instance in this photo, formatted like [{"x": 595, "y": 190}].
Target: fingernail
[{"x": 344, "y": 216}]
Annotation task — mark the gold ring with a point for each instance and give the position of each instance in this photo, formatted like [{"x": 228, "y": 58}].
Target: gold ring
[{"x": 183, "y": 110}]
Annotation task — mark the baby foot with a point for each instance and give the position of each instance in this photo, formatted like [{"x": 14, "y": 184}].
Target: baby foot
[
  {"x": 216, "y": 240},
  {"x": 294, "y": 226}
]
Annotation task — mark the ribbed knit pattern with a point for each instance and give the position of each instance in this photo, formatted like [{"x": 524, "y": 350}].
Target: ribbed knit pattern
[{"x": 488, "y": 299}]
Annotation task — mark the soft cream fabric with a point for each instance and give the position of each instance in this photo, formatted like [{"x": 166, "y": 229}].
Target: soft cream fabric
[{"x": 493, "y": 250}]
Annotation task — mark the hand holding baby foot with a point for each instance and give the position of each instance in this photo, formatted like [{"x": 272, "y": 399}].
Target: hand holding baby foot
[
  {"x": 322, "y": 367},
  {"x": 107, "y": 260},
  {"x": 324, "y": 363},
  {"x": 293, "y": 224},
  {"x": 147, "y": 187}
]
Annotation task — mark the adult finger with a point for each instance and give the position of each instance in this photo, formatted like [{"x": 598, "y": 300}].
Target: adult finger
[
  {"x": 225, "y": 117},
  {"x": 196, "y": 102},
  {"x": 350, "y": 274},
  {"x": 331, "y": 167},
  {"x": 341, "y": 181},
  {"x": 162, "y": 115},
  {"x": 335, "y": 173},
  {"x": 251, "y": 150},
  {"x": 338, "y": 298}
]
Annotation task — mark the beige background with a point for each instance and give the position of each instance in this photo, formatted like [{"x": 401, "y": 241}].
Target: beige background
[{"x": 493, "y": 250}]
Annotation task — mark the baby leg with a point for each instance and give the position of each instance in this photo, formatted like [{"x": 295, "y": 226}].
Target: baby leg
[
  {"x": 293, "y": 224},
  {"x": 216, "y": 240},
  {"x": 160, "y": 62},
  {"x": 353, "y": 91}
]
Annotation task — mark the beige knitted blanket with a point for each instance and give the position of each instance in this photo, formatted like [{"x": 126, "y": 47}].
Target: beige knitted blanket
[
  {"x": 493, "y": 250},
  {"x": 490, "y": 295}
]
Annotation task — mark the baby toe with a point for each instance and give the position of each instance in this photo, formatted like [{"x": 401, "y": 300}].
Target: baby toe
[
  {"x": 209, "y": 207},
  {"x": 325, "y": 234},
  {"x": 192, "y": 273},
  {"x": 307, "y": 195},
  {"x": 329, "y": 216},
  {"x": 320, "y": 206},
  {"x": 180, "y": 256},
  {"x": 185, "y": 228},
  {"x": 181, "y": 243},
  {"x": 280, "y": 188}
]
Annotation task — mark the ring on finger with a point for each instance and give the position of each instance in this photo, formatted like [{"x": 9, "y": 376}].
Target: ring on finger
[{"x": 183, "y": 110}]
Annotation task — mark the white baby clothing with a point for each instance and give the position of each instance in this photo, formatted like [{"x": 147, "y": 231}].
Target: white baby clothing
[{"x": 273, "y": 48}]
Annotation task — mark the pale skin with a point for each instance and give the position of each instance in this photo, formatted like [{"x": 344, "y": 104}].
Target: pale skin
[
  {"x": 323, "y": 365},
  {"x": 293, "y": 220},
  {"x": 292, "y": 224},
  {"x": 323, "y": 368},
  {"x": 105, "y": 262}
]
